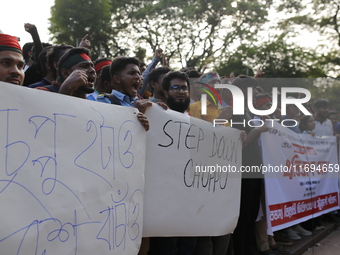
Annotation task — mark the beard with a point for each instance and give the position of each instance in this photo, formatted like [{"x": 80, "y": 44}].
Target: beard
[{"x": 178, "y": 106}]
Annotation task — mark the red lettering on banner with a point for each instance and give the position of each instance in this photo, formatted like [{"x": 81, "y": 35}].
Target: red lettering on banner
[
  {"x": 301, "y": 168},
  {"x": 303, "y": 150},
  {"x": 293, "y": 210}
]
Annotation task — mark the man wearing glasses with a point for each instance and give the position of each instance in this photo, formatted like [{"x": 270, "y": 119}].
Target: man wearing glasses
[{"x": 176, "y": 90}]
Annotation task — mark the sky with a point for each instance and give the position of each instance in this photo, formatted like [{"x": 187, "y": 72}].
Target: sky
[{"x": 15, "y": 13}]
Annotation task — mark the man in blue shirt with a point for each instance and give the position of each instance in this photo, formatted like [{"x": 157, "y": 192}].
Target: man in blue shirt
[{"x": 126, "y": 79}]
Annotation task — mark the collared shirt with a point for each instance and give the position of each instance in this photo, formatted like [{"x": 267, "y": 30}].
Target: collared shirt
[
  {"x": 323, "y": 129},
  {"x": 291, "y": 124},
  {"x": 123, "y": 99},
  {"x": 92, "y": 96}
]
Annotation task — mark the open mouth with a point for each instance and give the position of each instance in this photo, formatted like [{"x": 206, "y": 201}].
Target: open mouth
[{"x": 135, "y": 87}]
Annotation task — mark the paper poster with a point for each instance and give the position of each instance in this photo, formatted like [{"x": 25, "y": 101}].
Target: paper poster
[
  {"x": 192, "y": 183},
  {"x": 301, "y": 174},
  {"x": 71, "y": 175}
]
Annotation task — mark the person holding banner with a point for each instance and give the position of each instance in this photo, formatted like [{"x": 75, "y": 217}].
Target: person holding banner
[
  {"x": 126, "y": 80},
  {"x": 307, "y": 125},
  {"x": 176, "y": 90},
  {"x": 323, "y": 125},
  {"x": 11, "y": 60},
  {"x": 266, "y": 244},
  {"x": 251, "y": 186},
  {"x": 212, "y": 245}
]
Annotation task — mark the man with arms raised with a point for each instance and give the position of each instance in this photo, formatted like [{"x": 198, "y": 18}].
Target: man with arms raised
[{"x": 11, "y": 60}]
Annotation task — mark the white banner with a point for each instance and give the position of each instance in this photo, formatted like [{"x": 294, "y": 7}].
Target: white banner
[
  {"x": 71, "y": 175},
  {"x": 301, "y": 174},
  {"x": 190, "y": 186}
]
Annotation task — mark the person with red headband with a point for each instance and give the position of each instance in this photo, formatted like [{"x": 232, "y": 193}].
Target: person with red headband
[
  {"x": 101, "y": 86},
  {"x": 11, "y": 60},
  {"x": 263, "y": 102},
  {"x": 48, "y": 59},
  {"x": 76, "y": 73}
]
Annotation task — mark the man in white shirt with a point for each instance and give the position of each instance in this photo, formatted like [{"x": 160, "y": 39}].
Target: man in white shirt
[{"x": 323, "y": 125}]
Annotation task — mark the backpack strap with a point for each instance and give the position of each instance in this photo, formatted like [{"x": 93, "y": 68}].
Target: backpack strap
[{"x": 113, "y": 99}]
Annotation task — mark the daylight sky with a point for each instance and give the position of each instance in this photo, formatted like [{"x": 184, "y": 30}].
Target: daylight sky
[{"x": 17, "y": 12}]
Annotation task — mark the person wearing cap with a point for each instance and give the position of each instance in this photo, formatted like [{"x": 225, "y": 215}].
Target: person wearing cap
[
  {"x": 11, "y": 60},
  {"x": 76, "y": 73}
]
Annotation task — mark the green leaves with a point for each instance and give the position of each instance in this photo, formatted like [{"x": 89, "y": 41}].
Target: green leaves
[{"x": 71, "y": 20}]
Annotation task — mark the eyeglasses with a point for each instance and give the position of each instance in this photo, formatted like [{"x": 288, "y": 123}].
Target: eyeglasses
[{"x": 177, "y": 88}]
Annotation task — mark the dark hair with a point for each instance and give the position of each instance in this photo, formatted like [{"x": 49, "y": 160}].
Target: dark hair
[
  {"x": 320, "y": 103},
  {"x": 105, "y": 75},
  {"x": 98, "y": 60},
  {"x": 244, "y": 81},
  {"x": 69, "y": 53},
  {"x": 42, "y": 58},
  {"x": 172, "y": 75},
  {"x": 55, "y": 54},
  {"x": 27, "y": 48},
  {"x": 120, "y": 63},
  {"x": 192, "y": 73},
  {"x": 263, "y": 95},
  {"x": 156, "y": 73},
  {"x": 331, "y": 113},
  {"x": 259, "y": 89},
  {"x": 303, "y": 123}
]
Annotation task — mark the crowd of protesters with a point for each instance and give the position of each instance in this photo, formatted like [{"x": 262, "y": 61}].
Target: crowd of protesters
[{"x": 125, "y": 81}]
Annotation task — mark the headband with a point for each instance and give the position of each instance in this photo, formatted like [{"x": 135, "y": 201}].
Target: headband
[
  {"x": 8, "y": 42},
  {"x": 101, "y": 64},
  {"x": 73, "y": 60}
]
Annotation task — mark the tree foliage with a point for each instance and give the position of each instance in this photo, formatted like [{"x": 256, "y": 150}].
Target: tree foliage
[
  {"x": 317, "y": 15},
  {"x": 71, "y": 20},
  {"x": 194, "y": 32},
  {"x": 277, "y": 58}
]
